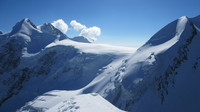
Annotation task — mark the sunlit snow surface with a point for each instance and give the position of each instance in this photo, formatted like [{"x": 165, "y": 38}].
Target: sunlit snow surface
[
  {"x": 95, "y": 48},
  {"x": 69, "y": 101}
]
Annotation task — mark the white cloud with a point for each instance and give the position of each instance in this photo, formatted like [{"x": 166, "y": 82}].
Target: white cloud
[
  {"x": 91, "y": 33},
  {"x": 61, "y": 25},
  {"x": 77, "y": 26}
]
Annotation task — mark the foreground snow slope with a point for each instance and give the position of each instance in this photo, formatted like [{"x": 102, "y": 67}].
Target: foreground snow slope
[
  {"x": 69, "y": 101},
  {"x": 57, "y": 67}
]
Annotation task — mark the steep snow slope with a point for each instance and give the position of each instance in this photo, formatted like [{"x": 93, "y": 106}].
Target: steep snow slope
[
  {"x": 177, "y": 88},
  {"x": 69, "y": 101},
  {"x": 160, "y": 68}
]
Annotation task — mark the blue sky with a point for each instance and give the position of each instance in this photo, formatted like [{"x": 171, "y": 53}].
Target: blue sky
[{"x": 122, "y": 22}]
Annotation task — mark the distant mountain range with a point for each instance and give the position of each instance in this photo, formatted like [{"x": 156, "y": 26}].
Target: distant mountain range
[{"x": 43, "y": 70}]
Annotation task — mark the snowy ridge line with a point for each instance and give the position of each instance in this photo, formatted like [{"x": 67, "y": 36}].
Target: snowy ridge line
[
  {"x": 163, "y": 82},
  {"x": 92, "y": 48}
]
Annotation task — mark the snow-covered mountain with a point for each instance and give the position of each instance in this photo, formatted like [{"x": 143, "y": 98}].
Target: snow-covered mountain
[
  {"x": 81, "y": 39},
  {"x": 29, "y": 35},
  {"x": 35, "y": 60},
  {"x": 161, "y": 76}
]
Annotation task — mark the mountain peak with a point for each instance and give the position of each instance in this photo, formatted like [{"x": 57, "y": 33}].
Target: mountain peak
[
  {"x": 196, "y": 20},
  {"x": 183, "y": 17},
  {"x": 35, "y": 38},
  {"x": 170, "y": 31},
  {"x": 48, "y": 25},
  {"x": 47, "y": 28},
  {"x": 81, "y": 39},
  {"x": 27, "y": 20},
  {"x": 25, "y": 25}
]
